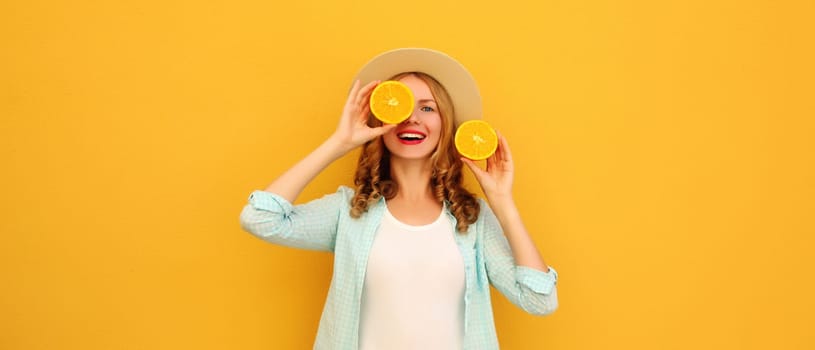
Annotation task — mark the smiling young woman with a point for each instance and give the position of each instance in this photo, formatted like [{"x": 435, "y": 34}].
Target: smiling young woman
[
  {"x": 414, "y": 251},
  {"x": 433, "y": 153}
]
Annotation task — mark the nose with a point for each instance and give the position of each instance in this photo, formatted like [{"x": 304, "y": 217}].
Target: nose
[{"x": 414, "y": 118}]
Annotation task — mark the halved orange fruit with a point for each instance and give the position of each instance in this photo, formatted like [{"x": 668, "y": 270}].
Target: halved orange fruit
[
  {"x": 476, "y": 139},
  {"x": 392, "y": 102}
]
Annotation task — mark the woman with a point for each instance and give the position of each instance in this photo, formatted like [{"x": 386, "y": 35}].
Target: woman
[{"x": 414, "y": 252}]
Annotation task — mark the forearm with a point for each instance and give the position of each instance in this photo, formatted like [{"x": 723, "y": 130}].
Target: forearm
[
  {"x": 523, "y": 248},
  {"x": 293, "y": 181}
]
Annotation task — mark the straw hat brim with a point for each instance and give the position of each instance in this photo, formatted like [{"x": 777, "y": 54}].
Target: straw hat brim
[{"x": 458, "y": 82}]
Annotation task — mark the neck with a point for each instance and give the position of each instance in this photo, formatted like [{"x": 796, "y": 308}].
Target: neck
[{"x": 413, "y": 178}]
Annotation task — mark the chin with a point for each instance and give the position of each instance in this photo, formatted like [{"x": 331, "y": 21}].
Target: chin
[
  {"x": 408, "y": 152},
  {"x": 411, "y": 155}
]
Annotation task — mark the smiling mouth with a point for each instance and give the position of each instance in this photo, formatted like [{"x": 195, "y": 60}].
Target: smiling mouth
[{"x": 410, "y": 136}]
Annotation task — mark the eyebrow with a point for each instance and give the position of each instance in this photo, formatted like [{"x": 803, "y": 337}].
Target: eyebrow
[{"x": 427, "y": 100}]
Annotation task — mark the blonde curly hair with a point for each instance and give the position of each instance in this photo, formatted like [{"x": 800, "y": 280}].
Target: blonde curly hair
[{"x": 373, "y": 178}]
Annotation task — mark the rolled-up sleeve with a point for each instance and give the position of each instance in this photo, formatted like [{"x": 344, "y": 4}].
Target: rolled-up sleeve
[
  {"x": 312, "y": 225},
  {"x": 538, "y": 281},
  {"x": 532, "y": 290}
]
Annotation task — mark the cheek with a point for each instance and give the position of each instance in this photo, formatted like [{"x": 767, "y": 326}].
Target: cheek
[
  {"x": 389, "y": 139},
  {"x": 435, "y": 129},
  {"x": 434, "y": 123},
  {"x": 390, "y": 136}
]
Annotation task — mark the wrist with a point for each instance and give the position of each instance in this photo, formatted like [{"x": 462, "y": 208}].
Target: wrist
[
  {"x": 501, "y": 202},
  {"x": 500, "y": 199},
  {"x": 336, "y": 147}
]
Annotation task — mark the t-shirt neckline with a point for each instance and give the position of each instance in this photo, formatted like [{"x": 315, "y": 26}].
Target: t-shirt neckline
[{"x": 409, "y": 227}]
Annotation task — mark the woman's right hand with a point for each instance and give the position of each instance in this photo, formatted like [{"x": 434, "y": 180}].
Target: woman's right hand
[{"x": 353, "y": 129}]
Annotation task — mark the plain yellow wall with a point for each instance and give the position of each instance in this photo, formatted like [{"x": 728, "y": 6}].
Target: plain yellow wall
[{"x": 664, "y": 153}]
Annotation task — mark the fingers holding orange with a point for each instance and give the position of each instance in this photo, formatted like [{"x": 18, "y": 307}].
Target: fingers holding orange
[
  {"x": 363, "y": 93},
  {"x": 503, "y": 148}
]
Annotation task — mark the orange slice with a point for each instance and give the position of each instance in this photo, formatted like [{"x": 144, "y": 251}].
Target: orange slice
[
  {"x": 476, "y": 139},
  {"x": 392, "y": 102}
]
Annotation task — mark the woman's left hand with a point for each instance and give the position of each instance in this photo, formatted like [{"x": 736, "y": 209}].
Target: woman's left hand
[{"x": 496, "y": 180}]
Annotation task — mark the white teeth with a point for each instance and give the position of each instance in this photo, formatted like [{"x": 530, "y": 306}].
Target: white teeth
[{"x": 410, "y": 135}]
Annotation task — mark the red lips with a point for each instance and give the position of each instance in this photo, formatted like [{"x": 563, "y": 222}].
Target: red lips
[{"x": 411, "y": 137}]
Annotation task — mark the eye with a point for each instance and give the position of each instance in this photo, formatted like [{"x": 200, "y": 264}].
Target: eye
[{"x": 427, "y": 109}]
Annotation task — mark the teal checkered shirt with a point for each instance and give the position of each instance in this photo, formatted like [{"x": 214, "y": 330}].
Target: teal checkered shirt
[{"x": 325, "y": 224}]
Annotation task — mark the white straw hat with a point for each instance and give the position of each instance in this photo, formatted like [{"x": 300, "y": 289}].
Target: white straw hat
[{"x": 458, "y": 82}]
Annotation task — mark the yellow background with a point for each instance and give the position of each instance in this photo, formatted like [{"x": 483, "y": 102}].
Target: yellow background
[{"x": 664, "y": 152}]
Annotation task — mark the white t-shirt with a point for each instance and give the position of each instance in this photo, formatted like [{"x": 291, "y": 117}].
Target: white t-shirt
[{"x": 413, "y": 296}]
